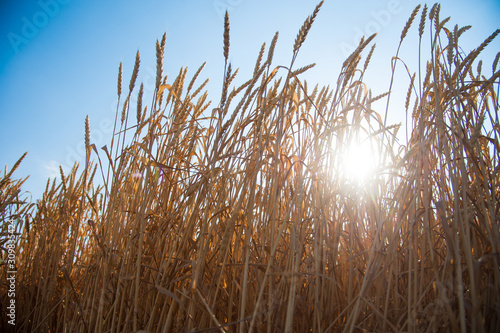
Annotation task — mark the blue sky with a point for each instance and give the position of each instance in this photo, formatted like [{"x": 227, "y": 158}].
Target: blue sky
[{"x": 59, "y": 58}]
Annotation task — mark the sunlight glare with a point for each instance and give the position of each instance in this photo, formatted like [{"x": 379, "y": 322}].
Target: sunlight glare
[{"x": 360, "y": 160}]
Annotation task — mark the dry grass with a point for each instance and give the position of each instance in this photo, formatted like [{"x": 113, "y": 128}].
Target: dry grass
[{"x": 237, "y": 218}]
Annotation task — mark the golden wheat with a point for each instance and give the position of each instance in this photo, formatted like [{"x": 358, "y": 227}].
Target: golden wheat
[{"x": 239, "y": 219}]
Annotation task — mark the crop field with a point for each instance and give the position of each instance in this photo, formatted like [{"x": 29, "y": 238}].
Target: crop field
[{"x": 283, "y": 206}]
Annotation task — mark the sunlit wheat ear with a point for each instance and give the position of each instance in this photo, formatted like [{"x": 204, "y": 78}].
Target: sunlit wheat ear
[
  {"x": 368, "y": 57},
  {"x": 436, "y": 18},
  {"x": 302, "y": 70},
  {"x": 271, "y": 48},
  {"x": 428, "y": 72},
  {"x": 63, "y": 179},
  {"x": 159, "y": 65},
  {"x": 435, "y": 8},
  {"x": 408, "y": 94},
  {"x": 197, "y": 91},
  {"x": 451, "y": 46},
  {"x": 421, "y": 26},
  {"x": 120, "y": 75},
  {"x": 495, "y": 63},
  {"x": 16, "y": 165},
  {"x": 259, "y": 59},
  {"x": 459, "y": 32},
  {"x": 354, "y": 57},
  {"x": 87, "y": 133},
  {"x": 304, "y": 30},
  {"x": 226, "y": 36},
  {"x": 139, "y": 103},
  {"x": 195, "y": 76},
  {"x": 135, "y": 72},
  {"x": 487, "y": 41},
  {"x": 124, "y": 110},
  {"x": 409, "y": 22},
  {"x": 469, "y": 59},
  {"x": 226, "y": 85},
  {"x": 350, "y": 64},
  {"x": 160, "y": 51}
]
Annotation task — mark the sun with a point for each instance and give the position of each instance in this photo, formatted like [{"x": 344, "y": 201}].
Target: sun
[{"x": 359, "y": 160}]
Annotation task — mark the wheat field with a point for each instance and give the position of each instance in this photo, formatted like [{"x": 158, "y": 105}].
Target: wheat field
[{"x": 235, "y": 216}]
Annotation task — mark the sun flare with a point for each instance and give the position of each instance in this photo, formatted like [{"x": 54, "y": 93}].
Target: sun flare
[{"x": 360, "y": 160}]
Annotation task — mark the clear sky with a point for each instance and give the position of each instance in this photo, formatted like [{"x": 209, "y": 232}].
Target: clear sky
[{"x": 59, "y": 58}]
